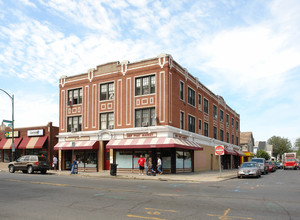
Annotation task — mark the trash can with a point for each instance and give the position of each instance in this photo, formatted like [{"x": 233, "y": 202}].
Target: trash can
[{"x": 113, "y": 169}]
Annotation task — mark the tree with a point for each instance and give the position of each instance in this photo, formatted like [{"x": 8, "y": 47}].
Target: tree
[
  {"x": 263, "y": 154},
  {"x": 297, "y": 146},
  {"x": 280, "y": 145}
]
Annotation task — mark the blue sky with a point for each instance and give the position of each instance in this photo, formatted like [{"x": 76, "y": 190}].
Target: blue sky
[{"x": 247, "y": 51}]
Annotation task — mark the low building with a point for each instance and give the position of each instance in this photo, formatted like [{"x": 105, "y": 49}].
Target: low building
[
  {"x": 247, "y": 145},
  {"x": 154, "y": 107}
]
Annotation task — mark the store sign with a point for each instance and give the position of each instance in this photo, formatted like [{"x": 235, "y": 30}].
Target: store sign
[
  {"x": 140, "y": 135},
  {"x": 180, "y": 136},
  {"x": 9, "y": 134},
  {"x": 84, "y": 138},
  {"x": 38, "y": 132}
]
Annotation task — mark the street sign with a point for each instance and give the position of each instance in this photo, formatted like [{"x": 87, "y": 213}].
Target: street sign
[
  {"x": 7, "y": 121},
  {"x": 219, "y": 150}
]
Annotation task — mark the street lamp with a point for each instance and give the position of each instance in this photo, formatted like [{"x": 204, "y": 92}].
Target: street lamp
[{"x": 12, "y": 137}]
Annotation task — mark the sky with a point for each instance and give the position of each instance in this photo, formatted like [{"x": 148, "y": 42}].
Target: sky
[{"x": 247, "y": 51}]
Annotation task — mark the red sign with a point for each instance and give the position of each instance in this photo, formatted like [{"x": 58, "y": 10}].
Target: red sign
[{"x": 219, "y": 150}]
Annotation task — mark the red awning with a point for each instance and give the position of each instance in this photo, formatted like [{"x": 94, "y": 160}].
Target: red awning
[
  {"x": 79, "y": 145},
  {"x": 229, "y": 151},
  {"x": 6, "y": 143},
  {"x": 239, "y": 153},
  {"x": 153, "y": 143},
  {"x": 32, "y": 142}
]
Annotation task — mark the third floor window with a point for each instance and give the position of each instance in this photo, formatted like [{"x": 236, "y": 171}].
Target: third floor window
[
  {"x": 191, "y": 97},
  {"x": 75, "y": 96},
  {"x": 206, "y": 106},
  {"x": 145, "y": 85},
  {"x": 215, "y": 111},
  {"x": 107, "y": 91}
]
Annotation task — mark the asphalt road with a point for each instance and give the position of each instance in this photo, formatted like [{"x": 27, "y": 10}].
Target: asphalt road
[{"x": 36, "y": 196}]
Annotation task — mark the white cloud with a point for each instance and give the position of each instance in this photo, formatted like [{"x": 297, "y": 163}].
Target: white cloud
[{"x": 28, "y": 3}]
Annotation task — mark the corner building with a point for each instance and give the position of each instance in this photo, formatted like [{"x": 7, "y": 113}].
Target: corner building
[{"x": 154, "y": 107}]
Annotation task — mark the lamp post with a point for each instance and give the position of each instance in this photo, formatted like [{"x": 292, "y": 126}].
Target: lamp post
[{"x": 12, "y": 136}]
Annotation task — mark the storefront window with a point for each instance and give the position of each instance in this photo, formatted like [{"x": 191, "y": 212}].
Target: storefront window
[
  {"x": 7, "y": 155},
  {"x": 187, "y": 160},
  {"x": 124, "y": 159},
  {"x": 179, "y": 160},
  {"x": 86, "y": 159}
]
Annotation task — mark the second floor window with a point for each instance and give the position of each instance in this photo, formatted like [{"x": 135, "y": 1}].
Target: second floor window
[
  {"x": 237, "y": 140},
  {"x": 227, "y": 137},
  {"x": 181, "y": 120},
  {"x": 145, "y": 85},
  {"x": 145, "y": 117},
  {"x": 221, "y": 135},
  {"x": 181, "y": 90},
  {"x": 107, "y": 91},
  {"x": 191, "y": 123},
  {"x": 74, "y": 123},
  {"x": 206, "y": 106},
  {"x": 75, "y": 96},
  {"x": 205, "y": 129},
  {"x": 215, "y": 111},
  {"x": 191, "y": 97},
  {"x": 200, "y": 125},
  {"x": 215, "y": 132},
  {"x": 107, "y": 121}
]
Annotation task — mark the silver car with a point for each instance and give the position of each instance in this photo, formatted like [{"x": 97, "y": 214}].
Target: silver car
[{"x": 249, "y": 169}]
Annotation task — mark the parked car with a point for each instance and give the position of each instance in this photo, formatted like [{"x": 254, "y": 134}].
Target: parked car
[
  {"x": 263, "y": 166},
  {"x": 279, "y": 165},
  {"x": 29, "y": 164},
  {"x": 248, "y": 169},
  {"x": 272, "y": 166}
]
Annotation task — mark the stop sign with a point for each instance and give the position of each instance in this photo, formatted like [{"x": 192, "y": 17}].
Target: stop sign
[{"x": 219, "y": 150}]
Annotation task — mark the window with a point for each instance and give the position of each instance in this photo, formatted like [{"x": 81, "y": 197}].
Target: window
[
  {"x": 227, "y": 119},
  {"x": 232, "y": 139},
  {"x": 182, "y": 120},
  {"x": 181, "y": 90},
  {"x": 74, "y": 123},
  {"x": 237, "y": 140},
  {"x": 215, "y": 133},
  {"x": 205, "y": 105},
  {"x": 199, "y": 100},
  {"x": 145, "y": 117},
  {"x": 205, "y": 129},
  {"x": 237, "y": 125},
  {"x": 107, "y": 121},
  {"x": 145, "y": 85},
  {"x": 221, "y": 135},
  {"x": 107, "y": 91},
  {"x": 200, "y": 125},
  {"x": 221, "y": 115},
  {"x": 232, "y": 122},
  {"x": 215, "y": 111},
  {"x": 75, "y": 96},
  {"x": 227, "y": 137},
  {"x": 191, "y": 97},
  {"x": 191, "y": 123}
]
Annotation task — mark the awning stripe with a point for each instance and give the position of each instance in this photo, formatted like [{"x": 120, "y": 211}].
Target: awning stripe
[
  {"x": 6, "y": 144},
  {"x": 79, "y": 145},
  {"x": 32, "y": 142}
]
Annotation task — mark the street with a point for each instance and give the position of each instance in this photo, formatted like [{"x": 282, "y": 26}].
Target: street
[{"x": 36, "y": 196}]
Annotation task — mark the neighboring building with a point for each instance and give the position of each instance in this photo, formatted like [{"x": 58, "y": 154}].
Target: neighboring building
[
  {"x": 263, "y": 145},
  {"x": 247, "y": 145},
  {"x": 38, "y": 140},
  {"x": 154, "y": 107}
]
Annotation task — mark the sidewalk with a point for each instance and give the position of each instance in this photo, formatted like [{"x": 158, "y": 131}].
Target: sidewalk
[{"x": 202, "y": 176}]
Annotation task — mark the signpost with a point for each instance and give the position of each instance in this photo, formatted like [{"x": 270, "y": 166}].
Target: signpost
[{"x": 219, "y": 150}]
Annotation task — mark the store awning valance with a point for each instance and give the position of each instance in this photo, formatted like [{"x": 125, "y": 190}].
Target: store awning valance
[
  {"x": 79, "y": 145},
  {"x": 6, "y": 143},
  {"x": 240, "y": 153},
  {"x": 33, "y": 142},
  {"x": 230, "y": 151},
  {"x": 153, "y": 143}
]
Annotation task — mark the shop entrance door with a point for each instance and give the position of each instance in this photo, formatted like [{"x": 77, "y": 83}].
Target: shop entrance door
[{"x": 107, "y": 159}]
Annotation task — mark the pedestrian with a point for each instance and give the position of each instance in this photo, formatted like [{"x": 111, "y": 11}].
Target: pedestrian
[
  {"x": 141, "y": 162},
  {"x": 54, "y": 164},
  {"x": 159, "y": 167}
]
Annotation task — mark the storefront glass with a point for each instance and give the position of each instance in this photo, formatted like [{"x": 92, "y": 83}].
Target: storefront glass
[
  {"x": 86, "y": 159},
  {"x": 179, "y": 159},
  {"x": 124, "y": 159},
  {"x": 187, "y": 160},
  {"x": 7, "y": 155}
]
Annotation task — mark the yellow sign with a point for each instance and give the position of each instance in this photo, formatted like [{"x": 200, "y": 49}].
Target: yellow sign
[{"x": 9, "y": 134}]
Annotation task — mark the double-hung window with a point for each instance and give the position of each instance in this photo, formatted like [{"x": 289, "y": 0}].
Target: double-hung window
[
  {"x": 181, "y": 120},
  {"x": 75, "y": 96},
  {"x": 205, "y": 105},
  {"x": 215, "y": 111},
  {"x": 199, "y": 101},
  {"x": 205, "y": 129},
  {"x": 237, "y": 141},
  {"x": 237, "y": 125},
  {"x": 107, "y": 91},
  {"x": 215, "y": 132},
  {"x": 227, "y": 137},
  {"x": 107, "y": 121},
  {"x": 200, "y": 125},
  {"x": 221, "y": 115},
  {"x": 191, "y": 123},
  {"x": 232, "y": 122},
  {"x": 74, "y": 123},
  {"x": 144, "y": 117},
  {"x": 145, "y": 85},
  {"x": 191, "y": 97},
  {"x": 227, "y": 119},
  {"x": 182, "y": 90},
  {"x": 221, "y": 135}
]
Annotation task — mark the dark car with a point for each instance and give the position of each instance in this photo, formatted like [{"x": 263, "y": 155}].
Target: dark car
[{"x": 29, "y": 164}]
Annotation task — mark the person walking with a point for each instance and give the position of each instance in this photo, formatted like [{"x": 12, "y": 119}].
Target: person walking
[
  {"x": 159, "y": 167},
  {"x": 54, "y": 164},
  {"x": 141, "y": 162}
]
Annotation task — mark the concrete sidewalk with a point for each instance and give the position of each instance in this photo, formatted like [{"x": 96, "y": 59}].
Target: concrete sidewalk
[{"x": 202, "y": 176}]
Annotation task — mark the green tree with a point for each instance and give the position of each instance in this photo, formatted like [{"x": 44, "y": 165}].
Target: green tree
[
  {"x": 263, "y": 154},
  {"x": 297, "y": 147},
  {"x": 280, "y": 145}
]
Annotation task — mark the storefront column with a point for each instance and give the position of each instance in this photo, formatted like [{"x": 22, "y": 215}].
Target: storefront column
[
  {"x": 59, "y": 160},
  {"x": 101, "y": 156}
]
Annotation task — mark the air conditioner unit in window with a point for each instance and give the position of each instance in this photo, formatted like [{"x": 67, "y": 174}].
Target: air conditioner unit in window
[
  {"x": 74, "y": 130},
  {"x": 110, "y": 126},
  {"x": 145, "y": 124}
]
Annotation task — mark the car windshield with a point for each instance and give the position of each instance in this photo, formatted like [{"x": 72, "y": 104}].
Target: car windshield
[
  {"x": 248, "y": 165},
  {"x": 258, "y": 160}
]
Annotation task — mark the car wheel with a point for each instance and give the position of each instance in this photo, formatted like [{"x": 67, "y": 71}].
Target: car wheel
[
  {"x": 43, "y": 171},
  {"x": 30, "y": 169},
  {"x": 11, "y": 169}
]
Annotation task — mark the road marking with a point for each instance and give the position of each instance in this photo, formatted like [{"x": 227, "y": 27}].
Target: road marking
[
  {"x": 137, "y": 216},
  {"x": 226, "y": 217},
  {"x": 163, "y": 210},
  {"x": 162, "y": 194}
]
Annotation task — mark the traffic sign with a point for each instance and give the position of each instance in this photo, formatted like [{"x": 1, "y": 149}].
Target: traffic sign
[{"x": 219, "y": 150}]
